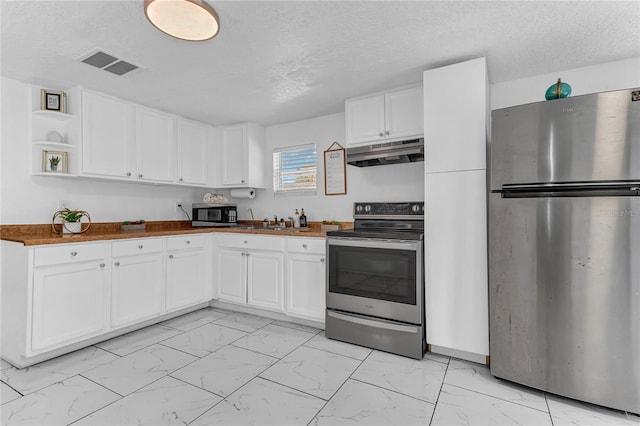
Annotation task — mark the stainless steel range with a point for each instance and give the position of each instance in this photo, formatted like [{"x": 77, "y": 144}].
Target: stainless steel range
[{"x": 375, "y": 279}]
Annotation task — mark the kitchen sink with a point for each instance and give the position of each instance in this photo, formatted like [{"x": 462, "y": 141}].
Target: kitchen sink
[{"x": 268, "y": 228}]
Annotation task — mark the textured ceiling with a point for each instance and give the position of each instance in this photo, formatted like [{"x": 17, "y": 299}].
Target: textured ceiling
[{"x": 280, "y": 61}]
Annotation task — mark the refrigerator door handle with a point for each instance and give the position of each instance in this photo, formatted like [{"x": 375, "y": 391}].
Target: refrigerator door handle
[{"x": 624, "y": 191}]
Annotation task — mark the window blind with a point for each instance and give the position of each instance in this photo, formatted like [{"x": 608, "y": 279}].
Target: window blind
[{"x": 294, "y": 169}]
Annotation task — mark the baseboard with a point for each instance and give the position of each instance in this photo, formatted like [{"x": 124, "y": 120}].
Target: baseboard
[
  {"x": 279, "y": 316},
  {"x": 456, "y": 353}
]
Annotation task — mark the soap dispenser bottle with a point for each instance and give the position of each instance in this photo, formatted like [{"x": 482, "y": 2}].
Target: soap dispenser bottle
[
  {"x": 296, "y": 219},
  {"x": 303, "y": 219}
]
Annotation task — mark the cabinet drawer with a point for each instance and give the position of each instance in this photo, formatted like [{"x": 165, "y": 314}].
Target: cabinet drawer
[
  {"x": 133, "y": 247},
  {"x": 247, "y": 241},
  {"x": 306, "y": 245},
  {"x": 186, "y": 242},
  {"x": 68, "y": 253}
]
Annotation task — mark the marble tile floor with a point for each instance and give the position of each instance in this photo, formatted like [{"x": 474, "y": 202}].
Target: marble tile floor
[{"x": 214, "y": 367}]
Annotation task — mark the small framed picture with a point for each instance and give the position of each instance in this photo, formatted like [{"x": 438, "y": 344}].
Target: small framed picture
[
  {"x": 53, "y": 101},
  {"x": 55, "y": 162}
]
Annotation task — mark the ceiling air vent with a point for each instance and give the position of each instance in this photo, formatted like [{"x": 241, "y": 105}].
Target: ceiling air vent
[{"x": 106, "y": 62}]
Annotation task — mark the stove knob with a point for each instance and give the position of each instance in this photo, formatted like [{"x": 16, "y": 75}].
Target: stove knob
[
  {"x": 415, "y": 208},
  {"x": 367, "y": 208},
  {"x": 358, "y": 208}
]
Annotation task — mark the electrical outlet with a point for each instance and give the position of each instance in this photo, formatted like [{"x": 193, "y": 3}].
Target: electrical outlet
[
  {"x": 64, "y": 204},
  {"x": 179, "y": 207}
]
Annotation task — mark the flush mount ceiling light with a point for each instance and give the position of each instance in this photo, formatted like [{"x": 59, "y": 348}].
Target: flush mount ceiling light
[{"x": 192, "y": 20}]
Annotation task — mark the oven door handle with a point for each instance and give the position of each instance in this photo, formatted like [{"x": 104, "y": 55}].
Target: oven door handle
[
  {"x": 374, "y": 243},
  {"x": 371, "y": 323}
]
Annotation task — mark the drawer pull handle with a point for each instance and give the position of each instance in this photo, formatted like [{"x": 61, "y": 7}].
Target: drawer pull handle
[
  {"x": 74, "y": 253},
  {"x": 188, "y": 242},
  {"x": 304, "y": 246},
  {"x": 322, "y": 259},
  {"x": 246, "y": 242},
  {"x": 140, "y": 175},
  {"x": 247, "y": 254},
  {"x": 243, "y": 254},
  {"x": 170, "y": 256},
  {"x": 128, "y": 173},
  {"x": 140, "y": 246},
  {"x": 117, "y": 264},
  {"x": 102, "y": 265}
]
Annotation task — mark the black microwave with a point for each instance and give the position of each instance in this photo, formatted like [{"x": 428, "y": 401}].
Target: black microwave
[{"x": 213, "y": 214}]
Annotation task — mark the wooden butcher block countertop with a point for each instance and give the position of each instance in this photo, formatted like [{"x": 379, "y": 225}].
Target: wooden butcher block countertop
[{"x": 38, "y": 234}]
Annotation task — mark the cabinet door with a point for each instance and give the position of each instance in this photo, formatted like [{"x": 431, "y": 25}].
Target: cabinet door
[
  {"x": 455, "y": 117},
  {"x": 232, "y": 276},
  {"x": 264, "y": 280},
  {"x": 192, "y": 152},
  {"x": 306, "y": 287},
  {"x": 155, "y": 156},
  {"x": 235, "y": 155},
  {"x": 403, "y": 114},
  {"x": 69, "y": 304},
  {"x": 456, "y": 261},
  {"x": 107, "y": 136},
  {"x": 365, "y": 120},
  {"x": 137, "y": 288},
  {"x": 186, "y": 278}
]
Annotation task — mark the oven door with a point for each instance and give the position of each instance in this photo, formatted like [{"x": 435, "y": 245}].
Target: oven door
[{"x": 378, "y": 278}]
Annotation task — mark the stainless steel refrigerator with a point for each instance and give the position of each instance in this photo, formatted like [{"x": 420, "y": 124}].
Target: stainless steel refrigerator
[{"x": 564, "y": 247}]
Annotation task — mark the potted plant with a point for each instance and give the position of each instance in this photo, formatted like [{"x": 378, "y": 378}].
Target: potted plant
[
  {"x": 53, "y": 163},
  {"x": 71, "y": 223},
  {"x": 329, "y": 225}
]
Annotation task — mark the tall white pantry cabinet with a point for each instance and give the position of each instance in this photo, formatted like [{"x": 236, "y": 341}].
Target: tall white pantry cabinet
[{"x": 455, "y": 134}]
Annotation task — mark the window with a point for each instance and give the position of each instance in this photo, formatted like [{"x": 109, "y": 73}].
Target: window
[{"x": 294, "y": 169}]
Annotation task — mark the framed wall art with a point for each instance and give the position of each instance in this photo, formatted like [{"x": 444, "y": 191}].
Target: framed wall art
[
  {"x": 53, "y": 101},
  {"x": 55, "y": 162},
  {"x": 335, "y": 170}
]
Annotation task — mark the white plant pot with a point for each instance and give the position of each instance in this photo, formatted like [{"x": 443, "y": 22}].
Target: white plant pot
[{"x": 71, "y": 227}]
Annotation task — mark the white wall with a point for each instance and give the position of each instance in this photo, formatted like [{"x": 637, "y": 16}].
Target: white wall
[
  {"x": 624, "y": 74},
  {"x": 398, "y": 182},
  {"x": 34, "y": 199}
]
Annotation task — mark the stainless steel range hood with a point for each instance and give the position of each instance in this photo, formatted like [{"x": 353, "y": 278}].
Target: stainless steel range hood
[{"x": 386, "y": 153}]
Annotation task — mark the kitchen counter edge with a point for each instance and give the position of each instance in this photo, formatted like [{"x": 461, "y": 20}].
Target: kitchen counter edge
[{"x": 32, "y": 235}]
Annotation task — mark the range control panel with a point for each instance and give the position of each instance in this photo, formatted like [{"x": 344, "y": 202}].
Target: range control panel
[{"x": 408, "y": 210}]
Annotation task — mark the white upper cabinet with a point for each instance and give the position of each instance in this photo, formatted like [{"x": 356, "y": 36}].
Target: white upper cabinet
[
  {"x": 403, "y": 114},
  {"x": 455, "y": 117},
  {"x": 155, "y": 156},
  {"x": 193, "y": 144},
  {"x": 365, "y": 120},
  {"x": 385, "y": 117},
  {"x": 107, "y": 136},
  {"x": 242, "y": 152},
  {"x": 125, "y": 141}
]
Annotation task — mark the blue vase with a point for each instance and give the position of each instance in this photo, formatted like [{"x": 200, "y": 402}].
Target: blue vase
[{"x": 558, "y": 90}]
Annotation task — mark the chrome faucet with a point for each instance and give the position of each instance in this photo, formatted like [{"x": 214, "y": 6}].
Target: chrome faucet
[{"x": 252, "y": 220}]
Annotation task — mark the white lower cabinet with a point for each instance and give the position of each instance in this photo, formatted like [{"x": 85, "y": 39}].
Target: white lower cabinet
[
  {"x": 250, "y": 270},
  {"x": 137, "y": 280},
  {"x": 55, "y": 297},
  {"x": 188, "y": 282},
  {"x": 232, "y": 276},
  {"x": 70, "y": 298},
  {"x": 264, "y": 279},
  {"x": 306, "y": 272}
]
